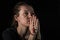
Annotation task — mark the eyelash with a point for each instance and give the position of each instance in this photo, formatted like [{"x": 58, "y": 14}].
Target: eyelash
[
  {"x": 27, "y": 14},
  {"x": 32, "y": 14}
]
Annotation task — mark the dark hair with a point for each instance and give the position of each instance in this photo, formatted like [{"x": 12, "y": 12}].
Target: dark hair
[{"x": 16, "y": 9}]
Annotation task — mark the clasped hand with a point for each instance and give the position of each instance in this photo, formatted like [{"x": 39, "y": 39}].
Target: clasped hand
[{"x": 33, "y": 27}]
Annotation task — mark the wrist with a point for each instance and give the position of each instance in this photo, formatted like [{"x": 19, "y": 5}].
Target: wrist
[
  {"x": 32, "y": 33},
  {"x": 31, "y": 37}
]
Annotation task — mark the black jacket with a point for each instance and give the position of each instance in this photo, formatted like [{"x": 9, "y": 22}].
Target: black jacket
[{"x": 11, "y": 34}]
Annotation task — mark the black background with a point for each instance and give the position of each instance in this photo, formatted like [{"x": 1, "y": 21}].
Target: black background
[{"x": 47, "y": 11}]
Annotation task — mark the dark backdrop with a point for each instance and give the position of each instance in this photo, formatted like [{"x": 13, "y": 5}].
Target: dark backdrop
[{"x": 47, "y": 11}]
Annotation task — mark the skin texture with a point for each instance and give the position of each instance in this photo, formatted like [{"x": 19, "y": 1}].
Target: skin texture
[{"x": 26, "y": 19}]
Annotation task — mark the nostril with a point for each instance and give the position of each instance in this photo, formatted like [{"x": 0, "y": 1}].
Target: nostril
[{"x": 30, "y": 16}]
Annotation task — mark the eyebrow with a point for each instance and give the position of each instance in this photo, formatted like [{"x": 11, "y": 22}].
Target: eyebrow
[
  {"x": 32, "y": 12},
  {"x": 29, "y": 11}
]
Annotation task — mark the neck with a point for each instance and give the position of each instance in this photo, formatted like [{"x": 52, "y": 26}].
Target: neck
[{"x": 21, "y": 30}]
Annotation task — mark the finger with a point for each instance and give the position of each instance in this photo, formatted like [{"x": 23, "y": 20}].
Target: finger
[
  {"x": 30, "y": 20},
  {"x": 34, "y": 21},
  {"x": 37, "y": 22}
]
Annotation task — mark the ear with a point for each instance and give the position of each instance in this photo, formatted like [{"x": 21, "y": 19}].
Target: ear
[{"x": 15, "y": 17}]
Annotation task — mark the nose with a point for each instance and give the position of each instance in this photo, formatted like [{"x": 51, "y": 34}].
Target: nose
[{"x": 29, "y": 15}]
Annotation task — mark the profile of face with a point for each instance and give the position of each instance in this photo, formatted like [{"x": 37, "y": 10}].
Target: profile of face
[{"x": 25, "y": 14}]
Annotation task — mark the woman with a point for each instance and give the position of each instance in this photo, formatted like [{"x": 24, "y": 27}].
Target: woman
[{"x": 25, "y": 24}]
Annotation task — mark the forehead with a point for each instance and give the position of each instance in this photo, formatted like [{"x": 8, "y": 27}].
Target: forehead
[{"x": 27, "y": 8}]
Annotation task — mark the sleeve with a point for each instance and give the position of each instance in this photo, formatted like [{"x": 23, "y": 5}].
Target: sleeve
[{"x": 6, "y": 36}]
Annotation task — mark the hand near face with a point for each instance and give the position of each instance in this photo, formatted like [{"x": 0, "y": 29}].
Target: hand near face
[{"x": 33, "y": 27}]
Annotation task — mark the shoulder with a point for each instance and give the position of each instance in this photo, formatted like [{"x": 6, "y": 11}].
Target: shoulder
[
  {"x": 9, "y": 34},
  {"x": 9, "y": 31}
]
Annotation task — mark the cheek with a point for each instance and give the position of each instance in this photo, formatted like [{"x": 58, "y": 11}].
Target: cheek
[{"x": 23, "y": 20}]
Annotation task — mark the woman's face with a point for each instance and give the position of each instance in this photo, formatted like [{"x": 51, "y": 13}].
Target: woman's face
[{"x": 25, "y": 14}]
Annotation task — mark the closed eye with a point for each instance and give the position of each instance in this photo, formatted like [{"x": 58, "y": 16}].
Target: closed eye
[{"x": 32, "y": 14}]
